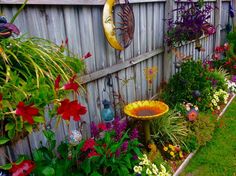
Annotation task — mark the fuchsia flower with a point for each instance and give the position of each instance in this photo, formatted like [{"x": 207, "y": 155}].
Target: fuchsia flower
[
  {"x": 27, "y": 112},
  {"x": 73, "y": 108},
  {"x": 72, "y": 85}
]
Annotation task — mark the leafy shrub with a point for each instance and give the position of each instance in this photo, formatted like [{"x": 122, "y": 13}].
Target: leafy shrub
[
  {"x": 185, "y": 84},
  {"x": 203, "y": 128},
  {"x": 191, "y": 143},
  {"x": 171, "y": 128}
]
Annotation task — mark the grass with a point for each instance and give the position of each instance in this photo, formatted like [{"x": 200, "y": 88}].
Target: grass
[{"x": 218, "y": 157}]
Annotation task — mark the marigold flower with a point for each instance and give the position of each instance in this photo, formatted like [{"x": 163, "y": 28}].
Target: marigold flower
[
  {"x": 27, "y": 112},
  {"x": 73, "y": 108},
  {"x": 165, "y": 148}
]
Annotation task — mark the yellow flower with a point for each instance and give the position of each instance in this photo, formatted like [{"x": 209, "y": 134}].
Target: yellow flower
[
  {"x": 181, "y": 154},
  {"x": 165, "y": 148},
  {"x": 146, "y": 162},
  {"x": 171, "y": 147},
  {"x": 172, "y": 153},
  {"x": 147, "y": 109}
]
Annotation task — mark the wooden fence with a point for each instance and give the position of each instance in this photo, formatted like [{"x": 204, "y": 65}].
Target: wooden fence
[{"x": 81, "y": 22}]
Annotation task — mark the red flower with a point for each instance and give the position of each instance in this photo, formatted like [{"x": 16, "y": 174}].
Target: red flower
[
  {"x": 27, "y": 112},
  {"x": 57, "y": 82},
  {"x": 102, "y": 126},
  {"x": 219, "y": 49},
  {"x": 87, "y": 55},
  {"x": 234, "y": 66},
  {"x": 88, "y": 144},
  {"x": 72, "y": 85},
  {"x": 1, "y": 96},
  {"x": 22, "y": 169},
  {"x": 72, "y": 108},
  {"x": 93, "y": 153},
  {"x": 228, "y": 62}
]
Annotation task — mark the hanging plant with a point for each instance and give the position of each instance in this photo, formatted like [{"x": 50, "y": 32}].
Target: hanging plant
[
  {"x": 34, "y": 73},
  {"x": 190, "y": 24}
]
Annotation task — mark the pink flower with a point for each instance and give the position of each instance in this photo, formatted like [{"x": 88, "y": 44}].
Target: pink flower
[
  {"x": 226, "y": 46},
  {"x": 27, "y": 112},
  {"x": 73, "y": 108}
]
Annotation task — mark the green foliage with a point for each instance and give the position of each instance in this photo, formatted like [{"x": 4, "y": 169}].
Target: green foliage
[
  {"x": 219, "y": 78},
  {"x": 192, "y": 77},
  {"x": 191, "y": 143},
  {"x": 170, "y": 128},
  {"x": 28, "y": 69},
  {"x": 203, "y": 128}
]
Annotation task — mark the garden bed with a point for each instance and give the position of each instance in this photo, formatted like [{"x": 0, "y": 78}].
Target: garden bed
[{"x": 189, "y": 157}]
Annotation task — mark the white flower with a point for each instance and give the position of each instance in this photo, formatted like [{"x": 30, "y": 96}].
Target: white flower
[
  {"x": 138, "y": 169},
  {"x": 163, "y": 169},
  {"x": 196, "y": 108},
  {"x": 218, "y": 107},
  {"x": 148, "y": 171},
  {"x": 187, "y": 108},
  {"x": 146, "y": 162}
]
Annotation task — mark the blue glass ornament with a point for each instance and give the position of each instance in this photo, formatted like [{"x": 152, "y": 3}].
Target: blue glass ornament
[{"x": 107, "y": 112}]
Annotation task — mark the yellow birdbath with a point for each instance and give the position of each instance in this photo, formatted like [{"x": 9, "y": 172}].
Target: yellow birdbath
[{"x": 146, "y": 110}]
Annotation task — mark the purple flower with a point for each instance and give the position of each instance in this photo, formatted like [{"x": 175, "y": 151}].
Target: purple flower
[
  {"x": 233, "y": 78},
  {"x": 135, "y": 157},
  {"x": 134, "y": 134},
  {"x": 119, "y": 126},
  {"x": 124, "y": 146},
  {"x": 118, "y": 151},
  {"x": 94, "y": 130}
]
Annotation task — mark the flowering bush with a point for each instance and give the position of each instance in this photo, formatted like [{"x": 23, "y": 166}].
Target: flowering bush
[
  {"x": 146, "y": 167},
  {"x": 173, "y": 152},
  {"x": 219, "y": 97},
  {"x": 191, "y": 23}
]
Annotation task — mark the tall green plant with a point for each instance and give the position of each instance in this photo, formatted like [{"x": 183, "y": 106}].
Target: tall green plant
[{"x": 171, "y": 128}]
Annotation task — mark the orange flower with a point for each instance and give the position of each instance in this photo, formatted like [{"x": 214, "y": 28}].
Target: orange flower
[{"x": 192, "y": 115}]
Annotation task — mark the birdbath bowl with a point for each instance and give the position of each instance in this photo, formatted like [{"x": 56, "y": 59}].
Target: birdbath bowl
[{"x": 146, "y": 110}]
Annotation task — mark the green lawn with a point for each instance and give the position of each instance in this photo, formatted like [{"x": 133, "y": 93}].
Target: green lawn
[{"x": 218, "y": 157}]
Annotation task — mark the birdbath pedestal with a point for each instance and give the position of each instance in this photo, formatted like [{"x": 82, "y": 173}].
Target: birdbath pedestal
[{"x": 146, "y": 111}]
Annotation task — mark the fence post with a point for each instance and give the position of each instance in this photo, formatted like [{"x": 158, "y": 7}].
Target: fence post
[
  {"x": 234, "y": 7},
  {"x": 218, "y": 22},
  {"x": 167, "y": 54}
]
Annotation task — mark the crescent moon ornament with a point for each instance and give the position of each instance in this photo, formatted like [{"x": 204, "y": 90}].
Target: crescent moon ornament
[
  {"x": 109, "y": 26},
  {"x": 126, "y": 24}
]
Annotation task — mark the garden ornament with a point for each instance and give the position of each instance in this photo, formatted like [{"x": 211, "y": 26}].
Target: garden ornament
[
  {"x": 6, "y": 29},
  {"x": 107, "y": 111},
  {"x": 146, "y": 110},
  {"x": 125, "y": 26}
]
